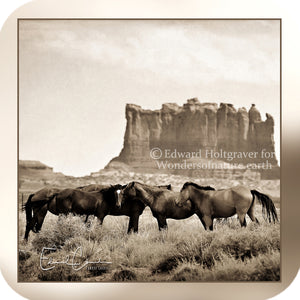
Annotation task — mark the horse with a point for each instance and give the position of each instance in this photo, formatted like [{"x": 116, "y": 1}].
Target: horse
[
  {"x": 93, "y": 187},
  {"x": 78, "y": 202},
  {"x": 225, "y": 203},
  {"x": 160, "y": 201},
  {"x": 133, "y": 209},
  {"x": 46, "y": 199},
  {"x": 67, "y": 201},
  {"x": 34, "y": 202}
]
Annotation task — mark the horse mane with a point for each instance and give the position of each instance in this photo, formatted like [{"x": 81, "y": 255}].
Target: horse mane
[
  {"x": 149, "y": 189},
  {"x": 131, "y": 184},
  {"x": 200, "y": 187},
  {"x": 167, "y": 186}
]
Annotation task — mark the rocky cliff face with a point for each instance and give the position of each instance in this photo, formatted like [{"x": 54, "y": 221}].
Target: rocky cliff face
[{"x": 195, "y": 126}]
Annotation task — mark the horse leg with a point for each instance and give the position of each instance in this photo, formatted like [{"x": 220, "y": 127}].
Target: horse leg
[
  {"x": 101, "y": 220},
  {"x": 130, "y": 225},
  {"x": 34, "y": 220},
  {"x": 201, "y": 219},
  {"x": 208, "y": 222},
  {"x": 100, "y": 217},
  {"x": 41, "y": 217},
  {"x": 86, "y": 219},
  {"x": 162, "y": 222},
  {"x": 242, "y": 218},
  {"x": 211, "y": 227},
  {"x": 252, "y": 217},
  {"x": 251, "y": 214},
  {"x": 30, "y": 226},
  {"x": 135, "y": 222}
]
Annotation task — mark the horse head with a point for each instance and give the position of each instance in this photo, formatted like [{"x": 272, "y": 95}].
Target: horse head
[
  {"x": 187, "y": 192},
  {"x": 115, "y": 191},
  {"x": 110, "y": 193},
  {"x": 125, "y": 191},
  {"x": 183, "y": 195}
]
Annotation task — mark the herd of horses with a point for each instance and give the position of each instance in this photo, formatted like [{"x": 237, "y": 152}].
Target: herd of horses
[{"x": 131, "y": 200}]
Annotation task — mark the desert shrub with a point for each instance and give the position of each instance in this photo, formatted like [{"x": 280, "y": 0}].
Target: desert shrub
[
  {"x": 58, "y": 230},
  {"x": 124, "y": 275},
  {"x": 29, "y": 268},
  {"x": 186, "y": 272},
  {"x": 23, "y": 255},
  {"x": 167, "y": 264},
  {"x": 137, "y": 250},
  {"x": 244, "y": 243},
  {"x": 265, "y": 267},
  {"x": 59, "y": 273},
  {"x": 199, "y": 256}
]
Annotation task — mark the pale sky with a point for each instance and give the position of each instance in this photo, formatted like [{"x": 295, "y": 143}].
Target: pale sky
[{"x": 76, "y": 77}]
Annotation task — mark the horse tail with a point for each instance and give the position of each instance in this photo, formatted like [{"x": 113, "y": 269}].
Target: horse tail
[
  {"x": 28, "y": 209},
  {"x": 267, "y": 205},
  {"x": 36, "y": 204}
]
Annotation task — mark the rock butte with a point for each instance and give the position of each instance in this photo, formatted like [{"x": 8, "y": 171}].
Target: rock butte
[{"x": 195, "y": 126}]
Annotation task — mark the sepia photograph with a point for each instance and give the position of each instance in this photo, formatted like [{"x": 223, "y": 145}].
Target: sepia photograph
[{"x": 149, "y": 150}]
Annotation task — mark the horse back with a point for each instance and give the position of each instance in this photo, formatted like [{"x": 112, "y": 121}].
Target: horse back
[
  {"x": 85, "y": 202},
  {"x": 93, "y": 187},
  {"x": 63, "y": 201},
  {"x": 230, "y": 193},
  {"x": 225, "y": 202},
  {"x": 165, "y": 204},
  {"x": 44, "y": 194},
  {"x": 242, "y": 193}
]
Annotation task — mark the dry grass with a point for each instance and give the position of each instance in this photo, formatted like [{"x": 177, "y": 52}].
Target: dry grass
[{"x": 185, "y": 252}]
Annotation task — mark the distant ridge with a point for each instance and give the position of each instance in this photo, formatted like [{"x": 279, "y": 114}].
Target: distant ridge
[{"x": 34, "y": 164}]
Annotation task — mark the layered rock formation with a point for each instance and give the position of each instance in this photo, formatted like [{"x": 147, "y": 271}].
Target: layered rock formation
[
  {"x": 34, "y": 164},
  {"x": 195, "y": 126}
]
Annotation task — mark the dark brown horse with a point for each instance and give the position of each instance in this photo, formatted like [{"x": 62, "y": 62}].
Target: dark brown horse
[
  {"x": 93, "y": 187},
  {"x": 59, "y": 201},
  {"x": 133, "y": 209},
  {"x": 225, "y": 203},
  {"x": 34, "y": 220},
  {"x": 160, "y": 201},
  {"x": 68, "y": 201}
]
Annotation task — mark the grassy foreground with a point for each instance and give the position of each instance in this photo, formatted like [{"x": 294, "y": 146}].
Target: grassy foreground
[{"x": 186, "y": 252}]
